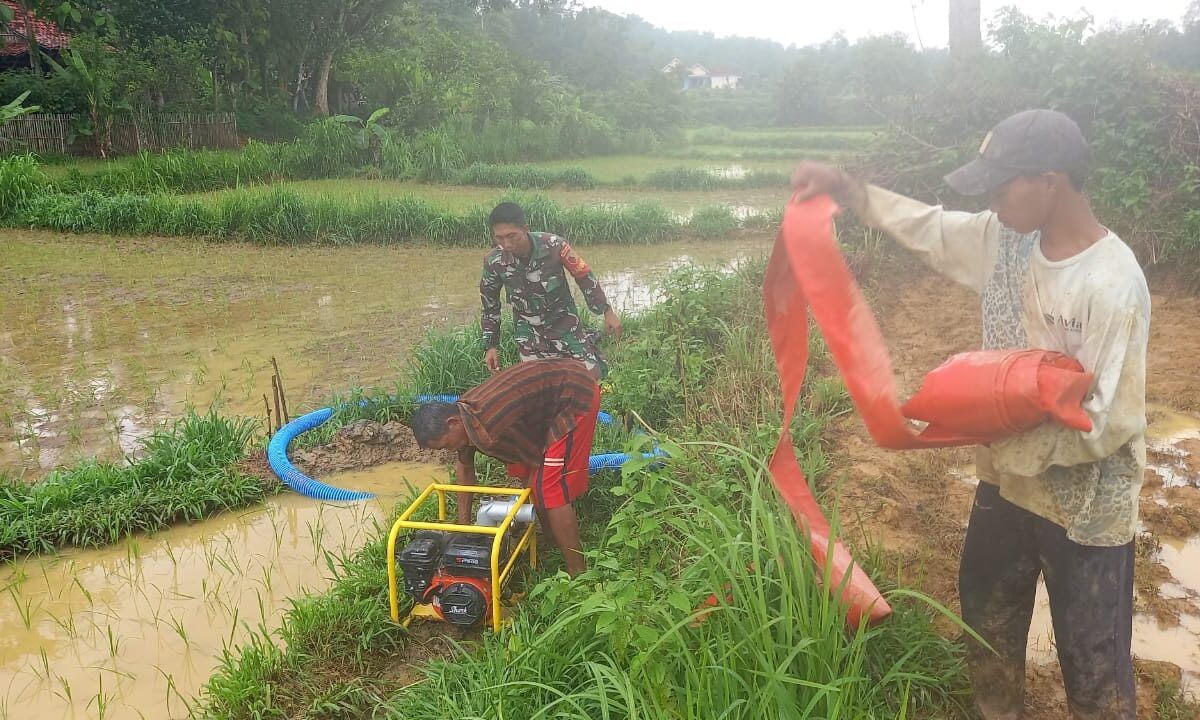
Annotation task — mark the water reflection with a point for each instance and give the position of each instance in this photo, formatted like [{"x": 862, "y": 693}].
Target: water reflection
[{"x": 137, "y": 336}]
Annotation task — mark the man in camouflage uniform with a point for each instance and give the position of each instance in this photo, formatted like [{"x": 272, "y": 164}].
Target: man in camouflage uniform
[{"x": 533, "y": 267}]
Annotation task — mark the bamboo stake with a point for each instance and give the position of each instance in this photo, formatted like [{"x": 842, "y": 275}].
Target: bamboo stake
[
  {"x": 287, "y": 417},
  {"x": 275, "y": 392}
]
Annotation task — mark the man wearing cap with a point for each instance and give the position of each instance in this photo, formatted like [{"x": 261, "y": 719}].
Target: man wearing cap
[{"x": 1052, "y": 502}]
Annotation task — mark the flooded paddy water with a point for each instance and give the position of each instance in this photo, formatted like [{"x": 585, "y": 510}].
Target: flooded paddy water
[
  {"x": 102, "y": 338},
  {"x": 135, "y": 629}
]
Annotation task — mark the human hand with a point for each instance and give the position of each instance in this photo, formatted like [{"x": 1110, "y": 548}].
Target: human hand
[
  {"x": 812, "y": 179},
  {"x": 612, "y": 323},
  {"x": 492, "y": 359}
]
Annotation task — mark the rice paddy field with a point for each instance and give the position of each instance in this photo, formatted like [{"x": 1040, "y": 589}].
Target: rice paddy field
[{"x": 154, "y": 568}]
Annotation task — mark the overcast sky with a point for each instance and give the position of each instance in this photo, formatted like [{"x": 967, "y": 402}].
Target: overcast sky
[{"x": 805, "y": 22}]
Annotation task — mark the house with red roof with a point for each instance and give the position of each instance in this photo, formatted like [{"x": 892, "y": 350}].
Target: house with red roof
[{"x": 14, "y": 37}]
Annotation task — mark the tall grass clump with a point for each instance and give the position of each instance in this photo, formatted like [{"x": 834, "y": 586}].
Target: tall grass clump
[
  {"x": 636, "y": 638},
  {"x": 283, "y": 216},
  {"x": 185, "y": 472},
  {"x": 437, "y": 154},
  {"x": 20, "y": 182},
  {"x": 681, "y": 178},
  {"x": 280, "y": 216},
  {"x": 178, "y": 171},
  {"x": 326, "y": 149},
  {"x": 713, "y": 222}
]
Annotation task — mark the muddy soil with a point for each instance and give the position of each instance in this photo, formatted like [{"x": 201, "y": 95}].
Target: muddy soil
[
  {"x": 915, "y": 504},
  {"x": 363, "y": 444}
]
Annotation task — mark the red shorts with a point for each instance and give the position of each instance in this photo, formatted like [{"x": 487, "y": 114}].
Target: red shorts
[{"x": 563, "y": 475}]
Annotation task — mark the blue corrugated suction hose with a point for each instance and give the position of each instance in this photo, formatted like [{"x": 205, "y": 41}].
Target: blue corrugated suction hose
[
  {"x": 287, "y": 472},
  {"x": 609, "y": 461},
  {"x": 303, "y": 484}
]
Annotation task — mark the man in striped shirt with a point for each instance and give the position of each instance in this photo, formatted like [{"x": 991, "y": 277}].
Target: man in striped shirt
[{"x": 539, "y": 417}]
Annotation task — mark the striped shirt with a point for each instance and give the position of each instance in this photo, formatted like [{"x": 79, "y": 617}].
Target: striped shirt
[{"x": 523, "y": 410}]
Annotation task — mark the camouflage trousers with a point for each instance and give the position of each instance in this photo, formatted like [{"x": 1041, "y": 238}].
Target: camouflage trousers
[{"x": 591, "y": 357}]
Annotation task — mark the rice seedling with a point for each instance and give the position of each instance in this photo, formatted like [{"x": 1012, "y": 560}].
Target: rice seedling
[
  {"x": 24, "y": 608},
  {"x": 173, "y": 692},
  {"x": 64, "y": 689},
  {"x": 65, "y": 624},
  {"x": 101, "y": 700},
  {"x": 114, "y": 643},
  {"x": 86, "y": 593},
  {"x": 230, "y": 564},
  {"x": 44, "y": 673},
  {"x": 228, "y": 643},
  {"x": 265, "y": 578},
  {"x": 180, "y": 630}
]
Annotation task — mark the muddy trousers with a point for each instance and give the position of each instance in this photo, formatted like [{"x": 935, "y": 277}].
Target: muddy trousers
[{"x": 1091, "y": 606}]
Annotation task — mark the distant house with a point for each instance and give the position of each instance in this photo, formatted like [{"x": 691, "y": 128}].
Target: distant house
[
  {"x": 14, "y": 47},
  {"x": 699, "y": 76}
]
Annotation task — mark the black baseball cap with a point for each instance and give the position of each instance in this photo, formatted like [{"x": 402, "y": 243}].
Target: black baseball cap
[{"x": 1030, "y": 142}]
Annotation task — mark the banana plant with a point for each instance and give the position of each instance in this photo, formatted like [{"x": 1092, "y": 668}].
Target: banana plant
[
  {"x": 370, "y": 134},
  {"x": 16, "y": 109},
  {"x": 97, "y": 89}
]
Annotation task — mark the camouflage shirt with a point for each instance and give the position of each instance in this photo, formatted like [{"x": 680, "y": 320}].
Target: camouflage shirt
[{"x": 544, "y": 313}]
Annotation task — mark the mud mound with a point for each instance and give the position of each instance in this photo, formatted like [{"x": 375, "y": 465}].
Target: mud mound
[
  {"x": 255, "y": 465},
  {"x": 363, "y": 444}
]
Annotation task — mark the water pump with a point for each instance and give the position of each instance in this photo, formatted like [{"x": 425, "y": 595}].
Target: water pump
[{"x": 452, "y": 571}]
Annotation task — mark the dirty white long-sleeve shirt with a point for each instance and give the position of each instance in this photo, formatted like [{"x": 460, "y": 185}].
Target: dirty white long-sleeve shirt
[{"x": 1093, "y": 306}]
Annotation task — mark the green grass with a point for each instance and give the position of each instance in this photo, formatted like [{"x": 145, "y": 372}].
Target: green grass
[
  {"x": 20, "y": 181},
  {"x": 525, "y": 177},
  {"x": 1173, "y": 702},
  {"x": 352, "y": 191},
  {"x": 186, "y": 472},
  {"x": 622, "y": 642},
  {"x": 284, "y": 217},
  {"x": 333, "y": 149}
]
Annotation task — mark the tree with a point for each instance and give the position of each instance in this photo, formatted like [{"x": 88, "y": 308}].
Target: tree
[
  {"x": 965, "y": 37},
  {"x": 334, "y": 26},
  {"x": 28, "y": 32}
]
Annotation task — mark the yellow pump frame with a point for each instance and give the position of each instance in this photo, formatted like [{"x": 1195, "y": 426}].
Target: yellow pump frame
[{"x": 528, "y": 543}]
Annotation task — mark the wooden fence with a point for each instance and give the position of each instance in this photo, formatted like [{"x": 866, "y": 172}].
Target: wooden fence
[{"x": 50, "y": 134}]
